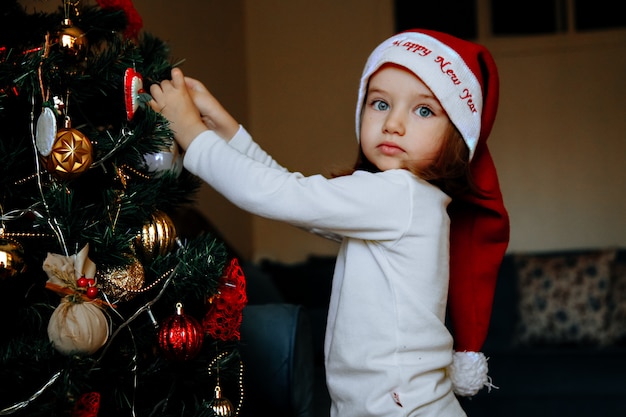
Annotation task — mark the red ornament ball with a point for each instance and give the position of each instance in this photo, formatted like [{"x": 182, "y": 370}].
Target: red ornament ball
[{"x": 180, "y": 336}]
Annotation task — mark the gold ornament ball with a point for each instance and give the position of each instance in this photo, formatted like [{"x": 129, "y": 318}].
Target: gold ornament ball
[
  {"x": 11, "y": 258},
  {"x": 157, "y": 237},
  {"x": 72, "y": 40},
  {"x": 71, "y": 154},
  {"x": 122, "y": 283},
  {"x": 221, "y": 406}
]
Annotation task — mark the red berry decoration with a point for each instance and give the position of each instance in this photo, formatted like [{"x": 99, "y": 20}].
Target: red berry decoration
[
  {"x": 82, "y": 282},
  {"x": 92, "y": 292},
  {"x": 180, "y": 336}
]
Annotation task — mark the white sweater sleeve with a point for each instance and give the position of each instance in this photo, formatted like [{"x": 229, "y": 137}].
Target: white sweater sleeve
[
  {"x": 242, "y": 141},
  {"x": 363, "y": 205}
]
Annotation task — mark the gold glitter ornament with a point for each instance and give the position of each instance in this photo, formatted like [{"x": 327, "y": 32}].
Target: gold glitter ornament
[
  {"x": 11, "y": 258},
  {"x": 157, "y": 237},
  {"x": 71, "y": 153},
  {"x": 122, "y": 283}
]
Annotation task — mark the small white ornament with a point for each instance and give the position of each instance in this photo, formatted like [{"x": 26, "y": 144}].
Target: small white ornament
[
  {"x": 46, "y": 131},
  {"x": 167, "y": 160}
]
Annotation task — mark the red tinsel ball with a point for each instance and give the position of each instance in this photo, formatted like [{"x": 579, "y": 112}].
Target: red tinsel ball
[
  {"x": 87, "y": 405},
  {"x": 135, "y": 22},
  {"x": 180, "y": 336}
]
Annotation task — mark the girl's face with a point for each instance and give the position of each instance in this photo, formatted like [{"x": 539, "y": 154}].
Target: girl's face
[{"x": 403, "y": 125}]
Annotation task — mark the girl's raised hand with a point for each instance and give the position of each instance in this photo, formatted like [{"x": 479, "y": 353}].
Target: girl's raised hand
[{"x": 174, "y": 102}]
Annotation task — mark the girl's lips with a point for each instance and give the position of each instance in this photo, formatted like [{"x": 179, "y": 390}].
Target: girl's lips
[{"x": 388, "y": 148}]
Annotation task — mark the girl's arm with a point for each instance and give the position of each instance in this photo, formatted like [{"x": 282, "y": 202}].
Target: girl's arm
[
  {"x": 192, "y": 109},
  {"x": 363, "y": 205},
  {"x": 243, "y": 142}
]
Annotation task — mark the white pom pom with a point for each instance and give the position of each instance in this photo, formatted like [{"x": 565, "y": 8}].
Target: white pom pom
[{"x": 468, "y": 373}]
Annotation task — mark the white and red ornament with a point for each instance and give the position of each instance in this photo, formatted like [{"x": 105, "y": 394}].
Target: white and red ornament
[{"x": 133, "y": 88}]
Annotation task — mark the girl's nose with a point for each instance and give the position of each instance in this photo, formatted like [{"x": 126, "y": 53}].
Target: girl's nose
[{"x": 394, "y": 123}]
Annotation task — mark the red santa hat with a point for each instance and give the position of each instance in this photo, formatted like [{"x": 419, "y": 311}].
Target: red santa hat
[{"x": 464, "y": 78}]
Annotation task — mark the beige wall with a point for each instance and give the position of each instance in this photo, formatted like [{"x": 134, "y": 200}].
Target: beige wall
[
  {"x": 210, "y": 36},
  {"x": 289, "y": 71},
  {"x": 304, "y": 63},
  {"x": 560, "y": 140}
]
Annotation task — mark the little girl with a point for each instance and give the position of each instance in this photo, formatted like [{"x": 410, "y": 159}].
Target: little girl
[{"x": 413, "y": 217}]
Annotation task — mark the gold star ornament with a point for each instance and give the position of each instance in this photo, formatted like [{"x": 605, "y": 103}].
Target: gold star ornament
[{"x": 71, "y": 154}]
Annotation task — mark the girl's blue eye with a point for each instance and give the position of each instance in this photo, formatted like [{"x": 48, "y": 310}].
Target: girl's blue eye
[
  {"x": 424, "y": 111},
  {"x": 380, "y": 105}
]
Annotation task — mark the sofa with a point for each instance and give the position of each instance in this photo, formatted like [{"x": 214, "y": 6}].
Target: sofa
[
  {"x": 556, "y": 345},
  {"x": 557, "y": 338},
  {"x": 277, "y": 352}
]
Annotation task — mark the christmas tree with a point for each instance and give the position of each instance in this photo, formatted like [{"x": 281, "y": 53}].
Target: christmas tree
[{"x": 104, "y": 307}]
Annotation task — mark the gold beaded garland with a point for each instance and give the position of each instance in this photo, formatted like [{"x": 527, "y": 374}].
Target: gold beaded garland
[{"x": 219, "y": 405}]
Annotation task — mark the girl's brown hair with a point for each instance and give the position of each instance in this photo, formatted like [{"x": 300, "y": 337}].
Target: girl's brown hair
[{"x": 450, "y": 171}]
